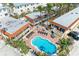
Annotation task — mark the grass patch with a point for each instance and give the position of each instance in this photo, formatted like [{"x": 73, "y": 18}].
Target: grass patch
[{"x": 20, "y": 44}]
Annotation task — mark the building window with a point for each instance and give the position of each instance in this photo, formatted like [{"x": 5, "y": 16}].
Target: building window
[
  {"x": 21, "y": 6},
  {"x": 36, "y": 3},
  {"x": 6, "y": 14},
  {"x": 62, "y": 30},
  {"x": 31, "y": 4},
  {"x": 4, "y": 9},
  {"x": 33, "y": 7},
  {"x": 18, "y": 7},
  {"x": 25, "y": 5},
  {"x": 27, "y": 8},
  {"x": 0, "y": 10},
  {"x": 21, "y": 10},
  {"x": 56, "y": 27}
]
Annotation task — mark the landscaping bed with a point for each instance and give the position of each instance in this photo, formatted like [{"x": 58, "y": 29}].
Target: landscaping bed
[{"x": 20, "y": 45}]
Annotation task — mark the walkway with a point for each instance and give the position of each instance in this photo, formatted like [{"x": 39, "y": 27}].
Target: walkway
[
  {"x": 6, "y": 50},
  {"x": 75, "y": 50}
]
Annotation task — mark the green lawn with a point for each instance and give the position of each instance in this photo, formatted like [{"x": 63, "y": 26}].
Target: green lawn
[{"x": 20, "y": 44}]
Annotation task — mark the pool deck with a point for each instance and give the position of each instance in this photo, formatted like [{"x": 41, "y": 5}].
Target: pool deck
[{"x": 29, "y": 40}]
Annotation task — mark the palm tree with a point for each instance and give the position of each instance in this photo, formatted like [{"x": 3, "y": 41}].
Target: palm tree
[
  {"x": 64, "y": 8},
  {"x": 71, "y": 6},
  {"x": 64, "y": 46},
  {"x": 65, "y": 42},
  {"x": 49, "y": 8},
  {"x": 67, "y": 7},
  {"x": 40, "y": 9},
  {"x": 60, "y": 5},
  {"x": 64, "y": 52},
  {"x": 62, "y": 11}
]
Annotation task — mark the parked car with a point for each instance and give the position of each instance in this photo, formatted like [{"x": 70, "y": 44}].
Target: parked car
[{"x": 74, "y": 35}]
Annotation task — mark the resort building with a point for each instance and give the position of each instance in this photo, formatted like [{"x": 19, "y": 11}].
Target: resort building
[
  {"x": 25, "y": 7},
  {"x": 36, "y": 17},
  {"x": 3, "y": 11},
  {"x": 13, "y": 28},
  {"x": 66, "y": 22},
  {"x": 19, "y": 8}
]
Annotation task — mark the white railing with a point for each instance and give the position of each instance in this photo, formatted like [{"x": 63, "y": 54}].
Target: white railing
[{"x": 23, "y": 33}]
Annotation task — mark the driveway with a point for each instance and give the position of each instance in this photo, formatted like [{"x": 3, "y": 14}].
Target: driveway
[{"x": 75, "y": 50}]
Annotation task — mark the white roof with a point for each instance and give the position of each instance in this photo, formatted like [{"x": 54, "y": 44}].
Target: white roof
[
  {"x": 11, "y": 24},
  {"x": 34, "y": 15},
  {"x": 0, "y": 5},
  {"x": 68, "y": 18}
]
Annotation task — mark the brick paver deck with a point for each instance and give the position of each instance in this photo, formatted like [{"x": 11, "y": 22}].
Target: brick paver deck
[{"x": 29, "y": 40}]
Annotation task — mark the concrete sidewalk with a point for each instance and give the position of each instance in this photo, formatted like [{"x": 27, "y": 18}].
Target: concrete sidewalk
[
  {"x": 75, "y": 50},
  {"x": 6, "y": 50}
]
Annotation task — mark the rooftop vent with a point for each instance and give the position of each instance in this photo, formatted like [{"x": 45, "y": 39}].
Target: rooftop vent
[
  {"x": 72, "y": 13},
  {"x": 0, "y": 25},
  {"x": 76, "y": 13},
  {"x": 5, "y": 29}
]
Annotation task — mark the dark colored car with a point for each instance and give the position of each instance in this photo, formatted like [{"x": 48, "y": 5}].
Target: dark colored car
[{"x": 74, "y": 35}]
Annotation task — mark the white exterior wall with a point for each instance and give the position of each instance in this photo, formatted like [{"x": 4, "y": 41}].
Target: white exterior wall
[
  {"x": 25, "y": 9},
  {"x": 18, "y": 10},
  {"x": 2, "y": 13}
]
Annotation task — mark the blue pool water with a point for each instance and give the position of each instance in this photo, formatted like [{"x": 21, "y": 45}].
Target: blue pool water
[{"x": 44, "y": 45}]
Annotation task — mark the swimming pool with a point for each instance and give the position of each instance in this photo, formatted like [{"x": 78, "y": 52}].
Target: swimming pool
[{"x": 44, "y": 45}]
